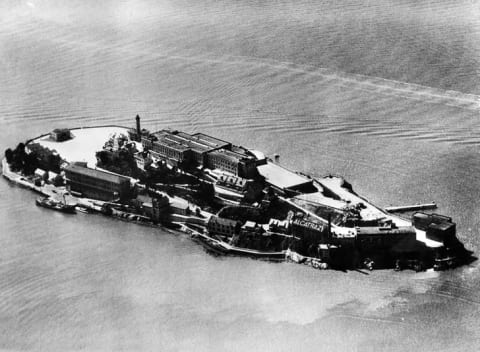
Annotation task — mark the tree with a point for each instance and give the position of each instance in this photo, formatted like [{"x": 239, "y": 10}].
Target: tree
[
  {"x": 30, "y": 164},
  {"x": 58, "y": 181},
  {"x": 18, "y": 160},
  {"x": 121, "y": 162},
  {"x": 20, "y": 148},
  {"x": 102, "y": 157},
  {"x": 53, "y": 162},
  {"x": 9, "y": 155}
]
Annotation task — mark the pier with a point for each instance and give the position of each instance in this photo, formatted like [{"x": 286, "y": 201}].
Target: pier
[{"x": 401, "y": 208}]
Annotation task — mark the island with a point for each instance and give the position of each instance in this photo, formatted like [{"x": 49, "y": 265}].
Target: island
[{"x": 231, "y": 199}]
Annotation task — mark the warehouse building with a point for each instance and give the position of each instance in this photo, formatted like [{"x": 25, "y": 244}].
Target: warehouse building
[{"x": 96, "y": 184}]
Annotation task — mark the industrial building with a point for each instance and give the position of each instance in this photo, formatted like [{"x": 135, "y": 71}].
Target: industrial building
[
  {"x": 284, "y": 180},
  {"x": 96, "y": 184},
  {"x": 173, "y": 152},
  {"x": 157, "y": 208},
  {"x": 223, "y": 226},
  {"x": 311, "y": 231},
  {"x": 202, "y": 150},
  {"x": 234, "y": 162},
  {"x": 391, "y": 238}
]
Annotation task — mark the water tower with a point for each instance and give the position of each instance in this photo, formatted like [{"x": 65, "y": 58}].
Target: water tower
[{"x": 137, "y": 118}]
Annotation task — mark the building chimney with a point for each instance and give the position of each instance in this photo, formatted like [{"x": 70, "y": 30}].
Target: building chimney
[{"x": 137, "y": 118}]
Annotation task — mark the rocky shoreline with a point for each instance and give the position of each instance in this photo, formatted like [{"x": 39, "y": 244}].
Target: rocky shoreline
[{"x": 259, "y": 210}]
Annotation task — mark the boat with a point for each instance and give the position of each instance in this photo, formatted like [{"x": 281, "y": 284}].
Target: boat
[{"x": 53, "y": 204}]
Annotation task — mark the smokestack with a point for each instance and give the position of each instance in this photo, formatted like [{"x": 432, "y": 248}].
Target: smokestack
[{"x": 137, "y": 118}]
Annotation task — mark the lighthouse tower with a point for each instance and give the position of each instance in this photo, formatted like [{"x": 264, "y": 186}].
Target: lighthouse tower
[{"x": 137, "y": 118}]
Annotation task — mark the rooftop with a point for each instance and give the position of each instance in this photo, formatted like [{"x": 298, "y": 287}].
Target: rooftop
[
  {"x": 198, "y": 142},
  {"x": 61, "y": 130},
  {"x": 83, "y": 147},
  {"x": 96, "y": 174},
  {"x": 281, "y": 177},
  {"x": 258, "y": 154},
  {"x": 223, "y": 221},
  {"x": 194, "y": 145},
  {"x": 242, "y": 151},
  {"x": 226, "y": 153},
  {"x": 183, "y": 139},
  {"x": 209, "y": 140},
  {"x": 174, "y": 145}
]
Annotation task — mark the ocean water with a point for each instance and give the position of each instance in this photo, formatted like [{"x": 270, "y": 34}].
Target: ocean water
[{"x": 385, "y": 93}]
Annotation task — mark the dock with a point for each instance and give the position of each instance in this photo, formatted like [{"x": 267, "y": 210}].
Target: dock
[{"x": 401, "y": 208}]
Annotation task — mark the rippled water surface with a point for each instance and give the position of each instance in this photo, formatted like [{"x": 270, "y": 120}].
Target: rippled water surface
[{"x": 385, "y": 93}]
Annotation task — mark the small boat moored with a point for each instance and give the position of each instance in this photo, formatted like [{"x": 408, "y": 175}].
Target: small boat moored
[{"x": 53, "y": 204}]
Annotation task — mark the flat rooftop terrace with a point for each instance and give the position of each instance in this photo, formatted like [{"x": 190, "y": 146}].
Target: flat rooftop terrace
[
  {"x": 198, "y": 141},
  {"x": 186, "y": 142},
  {"x": 98, "y": 174},
  {"x": 213, "y": 142},
  {"x": 281, "y": 177},
  {"x": 84, "y": 144}
]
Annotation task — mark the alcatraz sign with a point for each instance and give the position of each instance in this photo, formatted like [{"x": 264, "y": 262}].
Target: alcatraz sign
[{"x": 308, "y": 224}]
